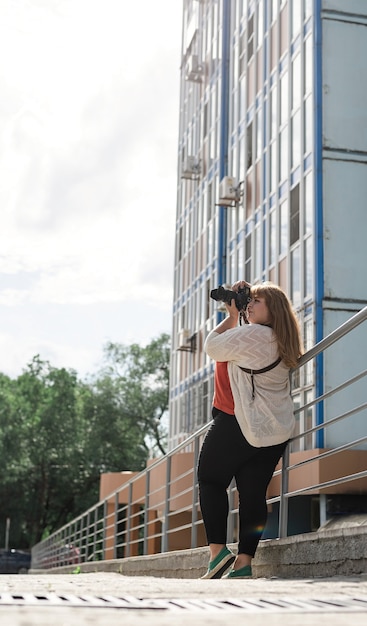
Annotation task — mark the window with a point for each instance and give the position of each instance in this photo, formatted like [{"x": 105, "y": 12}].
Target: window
[
  {"x": 207, "y": 300},
  {"x": 283, "y": 154},
  {"x": 242, "y": 50},
  {"x": 273, "y": 166},
  {"x": 242, "y": 98},
  {"x": 295, "y": 278},
  {"x": 250, "y": 38},
  {"x": 183, "y": 317},
  {"x": 260, "y": 23},
  {"x": 308, "y": 341},
  {"x": 284, "y": 98},
  {"x": 248, "y": 257},
  {"x": 209, "y": 200},
  {"x": 273, "y": 112},
  {"x": 257, "y": 252},
  {"x": 210, "y": 246},
  {"x": 296, "y": 139},
  {"x": 259, "y": 133},
  {"x": 249, "y": 146},
  {"x": 296, "y": 82},
  {"x": 180, "y": 244},
  {"x": 240, "y": 261},
  {"x": 308, "y": 60},
  {"x": 205, "y": 402},
  {"x": 272, "y": 238},
  {"x": 308, "y": 125},
  {"x": 241, "y": 156},
  {"x": 283, "y": 227},
  {"x": 206, "y": 121},
  {"x": 284, "y": 28},
  {"x": 295, "y": 446},
  {"x": 308, "y": 212},
  {"x": 308, "y": 417},
  {"x": 234, "y": 106},
  {"x": 308, "y": 8},
  {"x": 294, "y": 230},
  {"x": 308, "y": 267},
  {"x": 274, "y": 9},
  {"x": 296, "y": 17}
]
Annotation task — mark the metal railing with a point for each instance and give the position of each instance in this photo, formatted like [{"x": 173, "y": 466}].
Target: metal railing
[{"x": 157, "y": 510}]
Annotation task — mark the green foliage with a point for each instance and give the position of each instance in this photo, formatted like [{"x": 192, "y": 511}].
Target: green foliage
[
  {"x": 139, "y": 378},
  {"x": 57, "y": 434}
]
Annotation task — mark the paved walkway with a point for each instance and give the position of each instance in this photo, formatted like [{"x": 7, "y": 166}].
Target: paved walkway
[{"x": 98, "y": 599}]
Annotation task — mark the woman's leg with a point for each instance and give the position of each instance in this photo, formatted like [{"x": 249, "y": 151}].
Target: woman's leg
[
  {"x": 252, "y": 481},
  {"x": 216, "y": 468}
]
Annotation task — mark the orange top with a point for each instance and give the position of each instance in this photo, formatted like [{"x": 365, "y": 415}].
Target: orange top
[{"x": 223, "y": 398}]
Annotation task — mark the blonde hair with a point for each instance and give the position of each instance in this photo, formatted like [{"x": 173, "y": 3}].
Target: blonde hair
[{"x": 283, "y": 321}]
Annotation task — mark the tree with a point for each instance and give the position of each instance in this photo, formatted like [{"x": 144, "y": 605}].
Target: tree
[
  {"x": 139, "y": 381},
  {"x": 41, "y": 433},
  {"x": 57, "y": 434}
]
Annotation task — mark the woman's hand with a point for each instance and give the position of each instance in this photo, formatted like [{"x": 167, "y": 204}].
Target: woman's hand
[
  {"x": 240, "y": 284},
  {"x": 231, "y": 321},
  {"x": 232, "y": 310}
]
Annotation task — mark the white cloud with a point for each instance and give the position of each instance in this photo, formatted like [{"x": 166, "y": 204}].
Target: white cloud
[{"x": 88, "y": 141}]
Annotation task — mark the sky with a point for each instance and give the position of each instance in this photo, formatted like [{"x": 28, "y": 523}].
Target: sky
[{"x": 89, "y": 112}]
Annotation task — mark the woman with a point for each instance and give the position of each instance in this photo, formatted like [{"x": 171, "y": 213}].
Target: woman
[{"x": 253, "y": 420}]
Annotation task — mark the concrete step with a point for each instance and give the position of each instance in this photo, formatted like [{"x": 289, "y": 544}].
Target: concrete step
[{"x": 340, "y": 550}]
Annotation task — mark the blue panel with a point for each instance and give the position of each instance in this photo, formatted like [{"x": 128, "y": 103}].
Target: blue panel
[
  {"x": 319, "y": 251},
  {"x": 295, "y": 176},
  {"x": 283, "y": 189},
  {"x": 308, "y": 26},
  {"x": 250, "y": 115},
  {"x": 295, "y": 45},
  {"x": 283, "y": 64},
  {"x": 307, "y": 162},
  {"x": 223, "y": 157}
]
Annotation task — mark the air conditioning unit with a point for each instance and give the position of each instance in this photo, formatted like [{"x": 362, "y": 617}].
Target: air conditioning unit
[
  {"x": 190, "y": 168},
  {"x": 184, "y": 340},
  {"x": 228, "y": 191},
  {"x": 194, "y": 71}
]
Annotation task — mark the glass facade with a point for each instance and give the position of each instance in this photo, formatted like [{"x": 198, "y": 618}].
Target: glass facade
[{"x": 246, "y": 112}]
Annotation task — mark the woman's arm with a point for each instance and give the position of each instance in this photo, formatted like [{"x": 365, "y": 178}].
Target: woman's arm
[{"x": 229, "y": 322}]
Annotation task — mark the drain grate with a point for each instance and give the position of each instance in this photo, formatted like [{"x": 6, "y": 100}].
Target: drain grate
[
  {"x": 254, "y": 605},
  {"x": 85, "y": 600}
]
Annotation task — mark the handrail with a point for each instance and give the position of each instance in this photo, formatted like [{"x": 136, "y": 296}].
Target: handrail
[{"x": 125, "y": 523}]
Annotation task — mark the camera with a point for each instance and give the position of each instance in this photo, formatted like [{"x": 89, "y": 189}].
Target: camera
[{"x": 241, "y": 298}]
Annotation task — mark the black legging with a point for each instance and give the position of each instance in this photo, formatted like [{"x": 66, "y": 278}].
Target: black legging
[{"x": 225, "y": 454}]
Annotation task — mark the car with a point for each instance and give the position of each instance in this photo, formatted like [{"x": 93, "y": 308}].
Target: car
[{"x": 14, "y": 562}]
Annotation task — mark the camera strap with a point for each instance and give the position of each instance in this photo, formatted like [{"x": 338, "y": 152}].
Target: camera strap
[{"x": 262, "y": 371}]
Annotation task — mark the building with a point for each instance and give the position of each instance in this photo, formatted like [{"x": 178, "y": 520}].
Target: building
[{"x": 272, "y": 183}]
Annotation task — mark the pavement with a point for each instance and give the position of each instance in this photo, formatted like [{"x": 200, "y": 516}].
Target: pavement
[{"x": 109, "y": 598}]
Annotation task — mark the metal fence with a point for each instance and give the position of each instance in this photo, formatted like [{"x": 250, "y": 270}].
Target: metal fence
[{"x": 157, "y": 510}]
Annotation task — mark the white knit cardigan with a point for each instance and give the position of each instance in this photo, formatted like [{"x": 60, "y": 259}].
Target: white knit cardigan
[{"x": 267, "y": 418}]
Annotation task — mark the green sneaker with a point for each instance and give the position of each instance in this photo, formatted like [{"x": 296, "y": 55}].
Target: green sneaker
[
  {"x": 220, "y": 564},
  {"x": 243, "y": 572}
]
